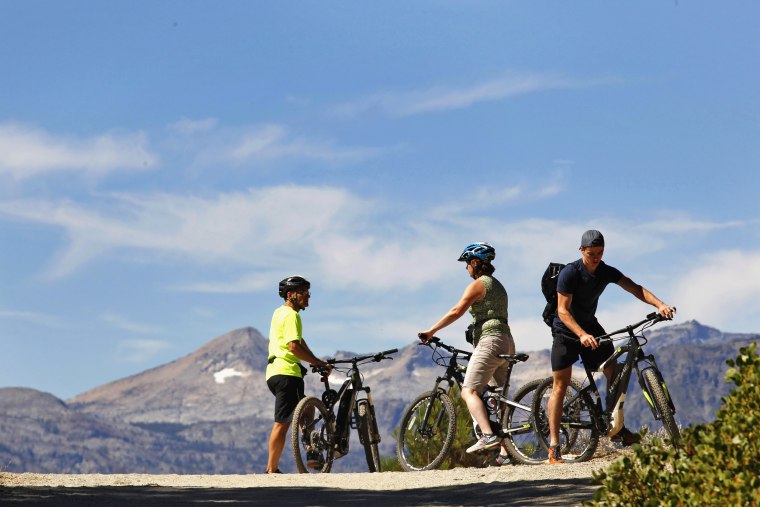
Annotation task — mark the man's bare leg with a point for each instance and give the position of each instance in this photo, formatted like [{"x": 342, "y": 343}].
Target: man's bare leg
[
  {"x": 276, "y": 445},
  {"x": 554, "y": 407}
]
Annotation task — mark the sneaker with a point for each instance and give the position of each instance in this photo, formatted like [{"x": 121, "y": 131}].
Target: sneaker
[
  {"x": 502, "y": 460},
  {"x": 626, "y": 437},
  {"x": 314, "y": 460},
  {"x": 555, "y": 457},
  {"x": 485, "y": 442}
]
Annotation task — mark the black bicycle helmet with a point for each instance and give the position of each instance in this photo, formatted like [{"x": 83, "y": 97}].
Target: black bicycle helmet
[
  {"x": 480, "y": 251},
  {"x": 293, "y": 283}
]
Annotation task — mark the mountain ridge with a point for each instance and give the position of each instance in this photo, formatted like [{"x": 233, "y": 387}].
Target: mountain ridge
[{"x": 210, "y": 410}]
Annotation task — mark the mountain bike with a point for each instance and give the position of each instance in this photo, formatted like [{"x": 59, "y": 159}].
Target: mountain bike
[
  {"x": 319, "y": 435},
  {"x": 583, "y": 419},
  {"x": 428, "y": 425}
]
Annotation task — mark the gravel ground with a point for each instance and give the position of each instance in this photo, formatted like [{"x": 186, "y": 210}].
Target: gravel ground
[
  {"x": 387, "y": 481},
  {"x": 566, "y": 484}
]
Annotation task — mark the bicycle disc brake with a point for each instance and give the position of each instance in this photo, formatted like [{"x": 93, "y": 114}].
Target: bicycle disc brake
[{"x": 329, "y": 397}]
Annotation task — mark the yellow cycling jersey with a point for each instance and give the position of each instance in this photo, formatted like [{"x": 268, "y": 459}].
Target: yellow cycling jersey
[{"x": 285, "y": 328}]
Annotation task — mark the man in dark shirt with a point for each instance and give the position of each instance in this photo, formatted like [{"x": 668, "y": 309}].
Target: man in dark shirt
[{"x": 579, "y": 286}]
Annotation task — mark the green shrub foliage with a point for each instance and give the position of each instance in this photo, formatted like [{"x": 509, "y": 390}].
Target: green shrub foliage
[
  {"x": 716, "y": 464},
  {"x": 390, "y": 464}
]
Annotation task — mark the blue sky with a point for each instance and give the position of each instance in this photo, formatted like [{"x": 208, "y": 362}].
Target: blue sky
[{"x": 164, "y": 164}]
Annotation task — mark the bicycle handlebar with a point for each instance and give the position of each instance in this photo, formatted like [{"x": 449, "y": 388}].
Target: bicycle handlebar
[
  {"x": 375, "y": 358},
  {"x": 653, "y": 317},
  {"x": 437, "y": 341}
]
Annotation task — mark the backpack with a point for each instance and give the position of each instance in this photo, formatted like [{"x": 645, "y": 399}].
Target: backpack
[{"x": 549, "y": 288}]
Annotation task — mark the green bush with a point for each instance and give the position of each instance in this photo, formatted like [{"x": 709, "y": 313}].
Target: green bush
[
  {"x": 716, "y": 464},
  {"x": 390, "y": 464}
]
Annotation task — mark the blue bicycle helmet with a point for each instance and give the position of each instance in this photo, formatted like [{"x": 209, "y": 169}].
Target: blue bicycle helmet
[{"x": 480, "y": 251}]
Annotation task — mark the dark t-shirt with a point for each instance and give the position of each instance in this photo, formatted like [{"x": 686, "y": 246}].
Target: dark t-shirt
[{"x": 585, "y": 288}]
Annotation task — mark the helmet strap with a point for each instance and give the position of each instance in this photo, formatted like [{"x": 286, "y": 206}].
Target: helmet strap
[{"x": 292, "y": 302}]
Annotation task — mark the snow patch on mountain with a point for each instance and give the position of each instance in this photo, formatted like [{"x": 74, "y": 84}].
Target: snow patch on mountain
[{"x": 221, "y": 376}]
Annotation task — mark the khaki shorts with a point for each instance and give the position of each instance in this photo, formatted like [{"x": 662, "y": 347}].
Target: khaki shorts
[{"x": 485, "y": 367}]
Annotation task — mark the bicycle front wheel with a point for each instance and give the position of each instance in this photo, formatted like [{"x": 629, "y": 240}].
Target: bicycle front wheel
[
  {"x": 365, "y": 424},
  {"x": 426, "y": 432},
  {"x": 578, "y": 435},
  {"x": 660, "y": 399},
  {"x": 311, "y": 435},
  {"x": 521, "y": 439}
]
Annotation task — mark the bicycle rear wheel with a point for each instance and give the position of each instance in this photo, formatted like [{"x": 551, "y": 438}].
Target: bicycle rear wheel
[
  {"x": 577, "y": 433},
  {"x": 423, "y": 443},
  {"x": 311, "y": 435},
  {"x": 365, "y": 426},
  {"x": 660, "y": 399},
  {"x": 521, "y": 439}
]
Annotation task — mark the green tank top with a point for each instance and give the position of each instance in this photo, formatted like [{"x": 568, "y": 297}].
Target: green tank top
[{"x": 490, "y": 313}]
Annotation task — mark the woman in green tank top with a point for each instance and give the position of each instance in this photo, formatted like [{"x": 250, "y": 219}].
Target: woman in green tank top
[{"x": 486, "y": 299}]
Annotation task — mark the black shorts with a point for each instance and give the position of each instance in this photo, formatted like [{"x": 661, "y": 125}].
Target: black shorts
[
  {"x": 288, "y": 391},
  {"x": 567, "y": 348}
]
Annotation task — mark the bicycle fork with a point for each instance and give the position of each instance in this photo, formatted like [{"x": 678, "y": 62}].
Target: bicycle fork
[
  {"x": 651, "y": 364},
  {"x": 425, "y": 428},
  {"x": 370, "y": 412}
]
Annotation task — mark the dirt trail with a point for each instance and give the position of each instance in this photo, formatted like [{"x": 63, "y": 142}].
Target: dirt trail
[{"x": 567, "y": 484}]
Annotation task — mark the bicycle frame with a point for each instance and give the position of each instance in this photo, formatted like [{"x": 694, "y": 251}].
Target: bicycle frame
[
  {"x": 502, "y": 398},
  {"x": 453, "y": 376},
  {"x": 428, "y": 426},
  {"x": 346, "y": 399},
  {"x": 321, "y": 428},
  {"x": 604, "y": 419}
]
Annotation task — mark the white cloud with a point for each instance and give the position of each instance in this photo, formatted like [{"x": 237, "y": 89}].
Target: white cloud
[
  {"x": 275, "y": 142},
  {"x": 723, "y": 291},
  {"x": 443, "y": 98},
  {"x": 30, "y": 317},
  {"x": 140, "y": 350},
  {"x": 206, "y": 144},
  {"x": 257, "y": 143},
  {"x": 368, "y": 261},
  {"x": 128, "y": 325},
  {"x": 338, "y": 238},
  {"x": 26, "y": 152},
  {"x": 488, "y": 198},
  {"x": 255, "y": 228},
  {"x": 253, "y": 282},
  {"x": 187, "y": 126}
]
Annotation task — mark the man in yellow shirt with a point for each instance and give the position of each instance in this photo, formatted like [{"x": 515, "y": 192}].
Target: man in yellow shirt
[{"x": 285, "y": 373}]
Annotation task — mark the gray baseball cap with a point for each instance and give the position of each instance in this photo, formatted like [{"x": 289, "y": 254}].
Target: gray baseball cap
[{"x": 592, "y": 238}]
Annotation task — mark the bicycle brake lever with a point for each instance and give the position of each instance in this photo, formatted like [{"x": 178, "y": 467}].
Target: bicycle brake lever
[{"x": 384, "y": 355}]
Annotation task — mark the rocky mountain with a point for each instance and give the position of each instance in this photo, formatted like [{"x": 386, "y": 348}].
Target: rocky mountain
[
  {"x": 221, "y": 381},
  {"x": 39, "y": 432},
  {"x": 211, "y": 412}
]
